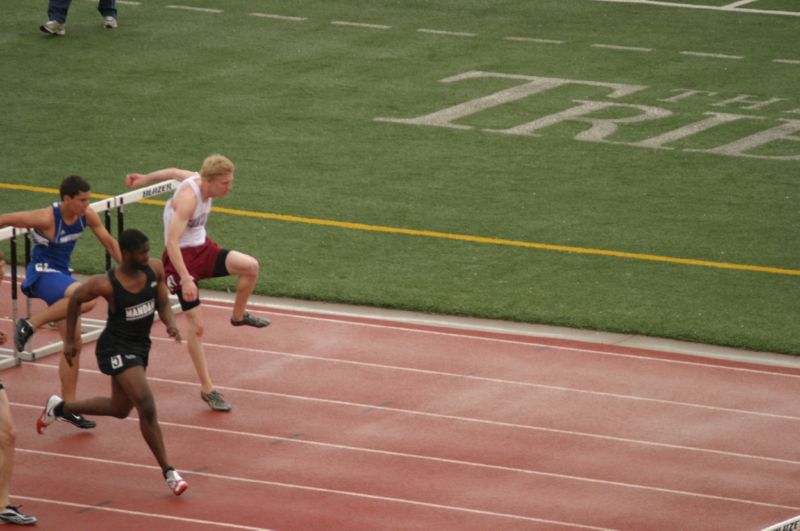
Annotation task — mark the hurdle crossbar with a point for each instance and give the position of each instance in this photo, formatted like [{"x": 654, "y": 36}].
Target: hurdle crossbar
[
  {"x": 90, "y": 328},
  {"x": 792, "y": 524}
]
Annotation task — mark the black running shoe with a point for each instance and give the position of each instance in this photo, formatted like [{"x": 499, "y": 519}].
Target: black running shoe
[
  {"x": 79, "y": 421},
  {"x": 22, "y": 333}
]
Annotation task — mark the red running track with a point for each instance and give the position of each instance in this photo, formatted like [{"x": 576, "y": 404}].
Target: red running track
[{"x": 364, "y": 423}]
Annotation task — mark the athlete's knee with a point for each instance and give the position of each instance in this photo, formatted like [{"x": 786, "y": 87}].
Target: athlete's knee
[
  {"x": 251, "y": 267},
  {"x": 147, "y": 409},
  {"x": 8, "y": 436},
  {"x": 196, "y": 330},
  {"x": 196, "y": 324},
  {"x": 88, "y": 306},
  {"x": 242, "y": 265},
  {"x": 121, "y": 412}
]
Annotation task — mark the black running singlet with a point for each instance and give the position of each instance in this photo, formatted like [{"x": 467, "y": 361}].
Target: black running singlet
[{"x": 128, "y": 327}]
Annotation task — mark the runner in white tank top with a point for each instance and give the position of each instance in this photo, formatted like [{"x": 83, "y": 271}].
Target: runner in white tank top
[
  {"x": 191, "y": 255},
  {"x": 195, "y": 233}
]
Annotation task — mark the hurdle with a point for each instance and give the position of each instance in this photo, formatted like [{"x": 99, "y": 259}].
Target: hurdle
[
  {"x": 787, "y": 525},
  {"x": 90, "y": 328}
]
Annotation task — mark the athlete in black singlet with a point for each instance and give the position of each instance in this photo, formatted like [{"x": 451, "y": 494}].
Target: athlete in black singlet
[{"x": 135, "y": 290}]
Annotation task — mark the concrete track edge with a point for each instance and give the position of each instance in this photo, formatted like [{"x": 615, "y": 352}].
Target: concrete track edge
[{"x": 507, "y": 327}]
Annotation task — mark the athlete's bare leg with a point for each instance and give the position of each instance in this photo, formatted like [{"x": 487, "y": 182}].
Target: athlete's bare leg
[
  {"x": 194, "y": 341},
  {"x": 69, "y": 374},
  {"x": 8, "y": 435},
  {"x": 128, "y": 390},
  {"x": 58, "y": 311},
  {"x": 246, "y": 268}
]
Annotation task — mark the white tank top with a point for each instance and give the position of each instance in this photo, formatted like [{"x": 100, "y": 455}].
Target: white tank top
[{"x": 195, "y": 233}]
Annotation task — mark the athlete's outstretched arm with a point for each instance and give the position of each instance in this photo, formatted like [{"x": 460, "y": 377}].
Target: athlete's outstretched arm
[
  {"x": 40, "y": 219},
  {"x": 135, "y": 180}
]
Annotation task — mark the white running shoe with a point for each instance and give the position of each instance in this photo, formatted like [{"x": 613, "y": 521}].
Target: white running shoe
[
  {"x": 53, "y": 27},
  {"x": 48, "y": 416},
  {"x": 175, "y": 482},
  {"x": 12, "y": 515},
  {"x": 109, "y": 22}
]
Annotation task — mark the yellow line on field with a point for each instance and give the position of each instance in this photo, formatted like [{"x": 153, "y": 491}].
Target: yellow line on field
[
  {"x": 28, "y": 188},
  {"x": 457, "y": 237}
]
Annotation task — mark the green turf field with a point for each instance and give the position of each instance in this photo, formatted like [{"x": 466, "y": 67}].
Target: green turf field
[{"x": 513, "y": 141}]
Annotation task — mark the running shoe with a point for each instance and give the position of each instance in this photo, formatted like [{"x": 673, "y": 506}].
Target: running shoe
[
  {"x": 22, "y": 333},
  {"x": 11, "y": 515},
  {"x": 53, "y": 27},
  {"x": 249, "y": 320},
  {"x": 215, "y": 401},
  {"x": 48, "y": 416},
  {"x": 175, "y": 482},
  {"x": 79, "y": 421},
  {"x": 109, "y": 22}
]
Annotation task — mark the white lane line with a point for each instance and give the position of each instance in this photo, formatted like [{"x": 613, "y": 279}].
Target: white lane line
[
  {"x": 533, "y": 39},
  {"x": 388, "y": 453},
  {"x": 191, "y": 8},
  {"x": 624, "y": 48},
  {"x": 501, "y": 381},
  {"x": 519, "y": 342},
  {"x": 450, "y": 33},
  {"x": 427, "y": 504},
  {"x": 319, "y": 489},
  {"x": 710, "y": 8},
  {"x": 360, "y": 25},
  {"x": 278, "y": 17},
  {"x": 787, "y": 61},
  {"x": 506, "y": 328},
  {"x": 738, "y": 3},
  {"x": 133, "y": 513},
  {"x": 460, "y": 462},
  {"x": 526, "y": 427},
  {"x": 458, "y": 418},
  {"x": 714, "y": 55}
]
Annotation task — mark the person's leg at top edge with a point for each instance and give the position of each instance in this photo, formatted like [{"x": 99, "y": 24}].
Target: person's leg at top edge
[
  {"x": 56, "y": 17},
  {"x": 108, "y": 10}
]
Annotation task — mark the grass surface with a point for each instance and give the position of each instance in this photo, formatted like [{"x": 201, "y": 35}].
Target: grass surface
[{"x": 294, "y": 103}]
